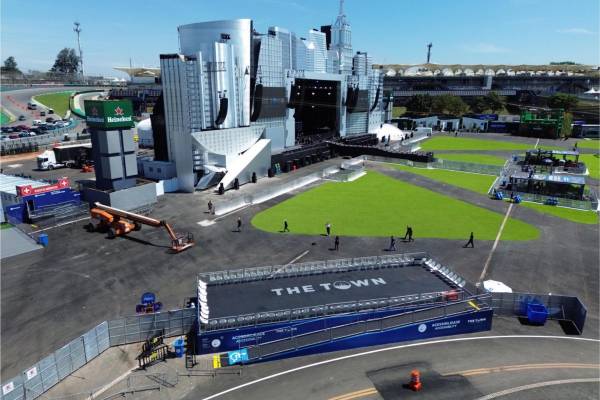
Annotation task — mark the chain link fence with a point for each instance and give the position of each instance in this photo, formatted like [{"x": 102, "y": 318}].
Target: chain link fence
[{"x": 37, "y": 379}]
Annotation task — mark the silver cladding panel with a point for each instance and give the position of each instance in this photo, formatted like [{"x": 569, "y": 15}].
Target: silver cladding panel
[{"x": 200, "y": 37}]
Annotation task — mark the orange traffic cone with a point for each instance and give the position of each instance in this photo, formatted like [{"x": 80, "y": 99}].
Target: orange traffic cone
[{"x": 415, "y": 380}]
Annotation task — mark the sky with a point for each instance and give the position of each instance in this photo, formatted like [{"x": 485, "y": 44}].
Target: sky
[{"x": 391, "y": 31}]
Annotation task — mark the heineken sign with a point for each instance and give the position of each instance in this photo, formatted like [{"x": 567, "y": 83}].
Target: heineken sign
[{"x": 108, "y": 114}]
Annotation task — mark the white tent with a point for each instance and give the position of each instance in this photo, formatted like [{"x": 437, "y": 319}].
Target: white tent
[
  {"x": 386, "y": 130},
  {"x": 496, "y": 287}
]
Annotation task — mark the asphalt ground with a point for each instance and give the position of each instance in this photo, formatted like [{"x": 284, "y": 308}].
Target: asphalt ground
[
  {"x": 53, "y": 295},
  {"x": 21, "y": 97}
]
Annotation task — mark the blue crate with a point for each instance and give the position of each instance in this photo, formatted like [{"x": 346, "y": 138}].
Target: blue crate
[
  {"x": 537, "y": 313},
  {"x": 43, "y": 239}
]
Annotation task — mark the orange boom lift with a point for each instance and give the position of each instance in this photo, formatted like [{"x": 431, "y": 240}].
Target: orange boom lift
[{"x": 119, "y": 222}]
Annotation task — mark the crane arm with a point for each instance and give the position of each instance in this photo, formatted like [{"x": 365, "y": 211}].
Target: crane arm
[
  {"x": 142, "y": 219},
  {"x": 169, "y": 230}
]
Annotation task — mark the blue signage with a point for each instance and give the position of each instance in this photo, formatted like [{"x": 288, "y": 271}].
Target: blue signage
[
  {"x": 237, "y": 356},
  {"x": 487, "y": 117},
  {"x": 148, "y": 298}
]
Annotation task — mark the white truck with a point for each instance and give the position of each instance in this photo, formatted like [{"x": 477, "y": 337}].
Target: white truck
[{"x": 73, "y": 155}]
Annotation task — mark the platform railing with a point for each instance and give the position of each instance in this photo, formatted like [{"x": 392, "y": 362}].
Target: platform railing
[
  {"x": 260, "y": 349},
  {"x": 331, "y": 309},
  {"x": 310, "y": 268}
]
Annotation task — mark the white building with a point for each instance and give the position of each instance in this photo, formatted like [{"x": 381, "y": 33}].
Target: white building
[{"x": 233, "y": 95}]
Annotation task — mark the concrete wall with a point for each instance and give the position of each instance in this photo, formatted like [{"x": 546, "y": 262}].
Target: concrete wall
[{"x": 126, "y": 199}]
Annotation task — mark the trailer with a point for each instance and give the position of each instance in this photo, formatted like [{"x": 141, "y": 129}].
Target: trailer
[{"x": 73, "y": 155}]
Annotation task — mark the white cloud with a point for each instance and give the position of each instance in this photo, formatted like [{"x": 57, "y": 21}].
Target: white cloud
[
  {"x": 484, "y": 48},
  {"x": 576, "y": 31}
]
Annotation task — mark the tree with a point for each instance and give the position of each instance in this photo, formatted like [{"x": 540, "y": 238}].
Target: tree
[
  {"x": 419, "y": 103},
  {"x": 66, "y": 62},
  {"x": 479, "y": 104},
  {"x": 449, "y": 104},
  {"x": 494, "y": 102},
  {"x": 456, "y": 106},
  {"x": 10, "y": 65},
  {"x": 561, "y": 100}
]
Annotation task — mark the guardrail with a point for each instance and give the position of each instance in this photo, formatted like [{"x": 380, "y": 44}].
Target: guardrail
[
  {"x": 444, "y": 164},
  {"x": 588, "y": 205},
  {"x": 326, "y": 334},
  {"x": 227, "y": 206},
  {"x": 567, "y": 308},
  {"x": 322, "y": 267},
  {"x": 12, "y": 146},
  {"x": 34, "y": 381}
]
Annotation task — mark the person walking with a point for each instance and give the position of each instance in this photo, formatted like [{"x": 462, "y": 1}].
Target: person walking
[
  {"x": 328, "y": 229},
  {"x": 392, "y": 243},
  {"x": 286, "y": 228},
  {"x": 336, "y": 243},
  {"x": 410, "y": 234},
  {"x": 210, "y": 207},
  {"x": 239, "y": 224},
  {"x": 407, "y": 231},
  {"x": 470, "y": 242}
]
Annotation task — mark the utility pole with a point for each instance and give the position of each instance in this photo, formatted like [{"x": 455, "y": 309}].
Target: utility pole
[
  {"x": 77, "y": 30},
  {"x": 429, "y": 52}
]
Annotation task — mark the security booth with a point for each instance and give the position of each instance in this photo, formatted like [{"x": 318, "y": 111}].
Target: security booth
[
  {"x": 555, "y": 160},
  {"x": 564, "y": 186}
]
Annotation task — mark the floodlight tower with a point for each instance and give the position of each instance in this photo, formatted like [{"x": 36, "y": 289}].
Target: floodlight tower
[
  {"x": 77, "y": 30},
  {"x": 429, "y": 52}
]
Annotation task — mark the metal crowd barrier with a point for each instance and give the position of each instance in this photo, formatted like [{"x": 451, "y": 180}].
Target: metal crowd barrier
[
  {"x": 261, "y": 349},
  {"x": 34, "y": 381}
]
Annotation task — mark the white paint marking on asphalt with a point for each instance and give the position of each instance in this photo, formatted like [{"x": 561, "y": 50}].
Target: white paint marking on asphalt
[
  {"x": 537, "y": 385},
  {"x": 79, "y": 256},
  {"x": 59, "y": 225},
  {"x": 489, "y": 259},
  {"x": 403, "y": 346},
  {"x": 15, "y": 165},
  {"x": 299, "y": 257},
  {"x": 536, "y": 144},
  {"x": 231, "y": 212},
  {"x": 291, "y": 262},
  {"x": 206, "y": 222},
  {"x": 109, "y": 385}
]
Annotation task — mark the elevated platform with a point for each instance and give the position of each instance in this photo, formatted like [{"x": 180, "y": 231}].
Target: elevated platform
[
  {"x": 288, "y": 292},
  {"x": 264, "y": 306}
]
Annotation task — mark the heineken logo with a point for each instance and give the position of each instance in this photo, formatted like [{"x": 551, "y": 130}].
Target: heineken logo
[
  {"x": 109, "y": 113},
  {"x": 119, "y": 119}
]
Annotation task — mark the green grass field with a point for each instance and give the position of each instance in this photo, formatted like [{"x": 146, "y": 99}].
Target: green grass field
[
  {"x": 478, "y": 183},
  {"x": 579, "y": 216},
  {"x": 377, "y": 205},
  {"x": 58, "y": 101},
  {"x": 593, "y": 144},
  {"x": 398, "y": 111},
  {"x": 458, "y": 143},
  {"x": 4, "y": 119},
  {"x": 472, "y": 158},
  {"x": 592, "y": 162}
]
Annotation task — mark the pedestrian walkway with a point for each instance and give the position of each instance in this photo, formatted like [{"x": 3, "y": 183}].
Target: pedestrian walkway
[{"x": 14, "y": 242}]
